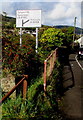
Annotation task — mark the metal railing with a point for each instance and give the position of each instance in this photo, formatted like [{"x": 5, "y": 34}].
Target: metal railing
[
  {"x": 48, "y": 66},
  {"x": 25, "y": 83}
]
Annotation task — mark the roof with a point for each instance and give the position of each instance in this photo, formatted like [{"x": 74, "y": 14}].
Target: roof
[{"x": 80, "y": 40}]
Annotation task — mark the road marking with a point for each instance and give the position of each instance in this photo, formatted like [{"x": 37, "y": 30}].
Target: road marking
[{"x": 78, "y": 63}]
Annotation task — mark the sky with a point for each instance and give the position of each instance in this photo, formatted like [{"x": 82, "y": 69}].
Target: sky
[{"x": 54, "y": 12}]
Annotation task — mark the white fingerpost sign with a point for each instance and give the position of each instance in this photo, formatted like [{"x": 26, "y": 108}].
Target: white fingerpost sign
[{"x": 28, "y": 18}]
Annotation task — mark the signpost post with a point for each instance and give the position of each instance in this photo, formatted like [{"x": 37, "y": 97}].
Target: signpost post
[
  {"x": 26, "y": 19},
  {"x": 36, "y": 40},
  {"x": 20, "y": 36}
]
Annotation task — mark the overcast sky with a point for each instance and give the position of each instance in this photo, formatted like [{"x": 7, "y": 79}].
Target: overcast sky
[{"x": 54, "y": 12}]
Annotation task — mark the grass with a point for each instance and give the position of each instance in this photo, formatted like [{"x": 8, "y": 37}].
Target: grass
[{"x": 36, "y": 106}]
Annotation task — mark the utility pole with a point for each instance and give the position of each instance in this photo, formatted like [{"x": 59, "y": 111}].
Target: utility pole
[
  {"x": 74, "y": 29},
  {"x": 81, "y": 32}
]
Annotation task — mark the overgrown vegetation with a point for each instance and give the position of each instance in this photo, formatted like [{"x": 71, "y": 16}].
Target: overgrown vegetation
[
  {"x": 23, "y": 60},
  {"x": 49, "y": 40},
  {"x": 13, "y": 55},
  {"x": 36, "y": 106}
]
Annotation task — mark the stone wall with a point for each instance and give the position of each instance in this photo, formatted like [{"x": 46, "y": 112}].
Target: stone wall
[{"x": 7, "y": 84}]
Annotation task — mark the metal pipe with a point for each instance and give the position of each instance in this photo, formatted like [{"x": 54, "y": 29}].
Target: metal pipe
[
  {"x": 24, "y": 88},
  {"x": 13, "y": 89},
  {"x": 45, "y": 65},
  {"x": 36, "y": 40},
  {"x": 20, "y": 36}
]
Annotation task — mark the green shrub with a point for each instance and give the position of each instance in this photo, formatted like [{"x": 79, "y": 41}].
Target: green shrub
[
  {"x": 18, "y": 59},
  {"x": 68, "y": 39},
  {"x": 49, "y": 40}
]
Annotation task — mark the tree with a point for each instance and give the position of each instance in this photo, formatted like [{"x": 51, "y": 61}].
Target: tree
[{"x": 68, "y": 39}]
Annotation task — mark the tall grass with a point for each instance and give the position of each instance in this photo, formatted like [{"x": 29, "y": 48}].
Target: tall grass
[{"x": 36, "y": 106}]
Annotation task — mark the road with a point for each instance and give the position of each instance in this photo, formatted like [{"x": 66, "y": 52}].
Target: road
[{"x": 73, "y": 89}]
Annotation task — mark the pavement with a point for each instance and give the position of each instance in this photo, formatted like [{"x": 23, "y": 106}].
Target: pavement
[{"x": 73, "y": 90}]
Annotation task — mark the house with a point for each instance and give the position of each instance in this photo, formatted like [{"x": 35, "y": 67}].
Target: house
[{"x": 80, "y": 41}]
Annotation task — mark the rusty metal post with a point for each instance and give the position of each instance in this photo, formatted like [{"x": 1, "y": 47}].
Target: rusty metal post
[
  {"x": 24, "y": 89},
  {"x": 12, "y": 90},
  {"x": 51, "y": 59},
  {"x": 45, "y": 65},
  {"x": 25, "y": 84},
  {"x": 55, "y": 56},
  {"x": 56, "y": 52},
  {"x": 51, "y": 64}
]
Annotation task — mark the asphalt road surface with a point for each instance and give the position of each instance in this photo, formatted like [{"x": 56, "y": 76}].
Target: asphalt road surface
[{"x": 73, "y": 89}]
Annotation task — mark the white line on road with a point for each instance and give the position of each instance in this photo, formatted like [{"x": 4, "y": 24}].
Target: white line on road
[{"x": 78, "y": 63}]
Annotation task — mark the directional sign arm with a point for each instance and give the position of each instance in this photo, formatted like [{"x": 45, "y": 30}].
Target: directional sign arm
[{"x": 24, "y": 22}]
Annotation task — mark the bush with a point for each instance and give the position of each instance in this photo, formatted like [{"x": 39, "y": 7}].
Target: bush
[
  {"x": 50, "y": 39},
  {"x": 68, "y": 39},
  {"x": 19, "y": 60}
]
